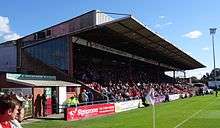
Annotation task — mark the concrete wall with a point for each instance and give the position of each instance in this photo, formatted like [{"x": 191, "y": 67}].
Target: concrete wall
[{"x": 62, "y": 97}]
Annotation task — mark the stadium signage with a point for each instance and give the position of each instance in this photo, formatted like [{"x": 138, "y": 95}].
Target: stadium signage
[
  {"x": 159, "y": 99},
  {"x": 88, "y": 111},
  {"x": 174, "y": 97},
  {"x": 213, "y": 84},
  {"x": 126, "y": 105},
  {"x": 29, "y": 77}
]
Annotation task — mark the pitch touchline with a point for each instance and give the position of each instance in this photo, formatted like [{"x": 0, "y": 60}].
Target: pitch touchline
[
  {"x": 188, "y": 118},
  {"x": 192, "y": 115}
]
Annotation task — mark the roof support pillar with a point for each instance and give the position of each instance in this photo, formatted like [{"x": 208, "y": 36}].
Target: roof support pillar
[
  {"x": 158, "y": 73},
  {"x": 130, "y": 69},
  {"x": 184, "y": 72},
  {"x": 174, "y": 77},
  {"x": 72, "y": 57}
]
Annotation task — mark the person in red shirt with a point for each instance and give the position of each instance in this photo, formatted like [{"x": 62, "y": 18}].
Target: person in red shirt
[{"x": 8, "y": 112}]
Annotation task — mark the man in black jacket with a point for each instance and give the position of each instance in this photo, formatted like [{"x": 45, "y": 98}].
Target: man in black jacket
[{"x": 44, "y": 103}]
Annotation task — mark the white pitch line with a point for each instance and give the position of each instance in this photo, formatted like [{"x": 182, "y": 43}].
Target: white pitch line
[
  {"x": 188, "y": 118},
  {"x": 192, "y": 115}
]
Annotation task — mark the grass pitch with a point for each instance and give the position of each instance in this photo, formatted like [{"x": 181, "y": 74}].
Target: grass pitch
[{"x": 196, "y": 112}]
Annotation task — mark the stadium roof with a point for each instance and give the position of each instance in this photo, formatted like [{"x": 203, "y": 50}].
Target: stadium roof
[{"x": 128, "y": 34}]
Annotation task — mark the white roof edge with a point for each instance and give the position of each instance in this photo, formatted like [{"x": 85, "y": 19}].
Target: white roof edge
[
  {"x": 19, "y": 82},
  {"x": 28, "y": 83},
  {"x": 115, "y": 20}
]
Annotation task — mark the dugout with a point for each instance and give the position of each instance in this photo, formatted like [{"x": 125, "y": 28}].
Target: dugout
[{"x": 56, "y": 91}]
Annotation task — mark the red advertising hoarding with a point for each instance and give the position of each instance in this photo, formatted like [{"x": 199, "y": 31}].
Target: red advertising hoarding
[{"x": 88, "y": 111}]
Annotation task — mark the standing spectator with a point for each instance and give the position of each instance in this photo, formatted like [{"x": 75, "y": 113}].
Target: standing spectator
[
  {"x": 44, "y": 103},
  {"x": 167, "y": 97},
  {"x": 37, "y": 105},
  {"x": 90, "y": 97},
  {"x": 84, "y": 96},
  {"x": 216, "y": 91},
  {"x": 55, "y": 103}
]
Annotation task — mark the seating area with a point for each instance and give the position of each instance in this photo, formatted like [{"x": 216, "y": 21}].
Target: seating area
[{"x": 121, "y": 82}]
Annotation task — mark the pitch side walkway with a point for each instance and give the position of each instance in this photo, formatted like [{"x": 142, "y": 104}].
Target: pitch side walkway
[{"x": 50, "y": 117}]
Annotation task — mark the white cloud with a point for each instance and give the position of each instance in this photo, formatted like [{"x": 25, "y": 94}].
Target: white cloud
[
  {"x": 11, "y": 36},
  {"x": 168, "y": 23},
  {"x": 161, "y": 17},
  {"x": 205, "y": 49},
  {"x": 163, "y": 24},
  {"x": 198, "y": 73},
  {"x": 4, "y": 25},
  {"x": 6, "y": 33},
  {"x": 158, "y": 25},
  {"x": 193, "y": 35}
]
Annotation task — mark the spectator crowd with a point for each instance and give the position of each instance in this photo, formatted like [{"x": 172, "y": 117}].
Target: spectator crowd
[{"x": 125, "y": 83}]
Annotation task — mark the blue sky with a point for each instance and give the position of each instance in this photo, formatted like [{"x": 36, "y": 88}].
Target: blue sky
[{"x": 185, "y": 23}]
